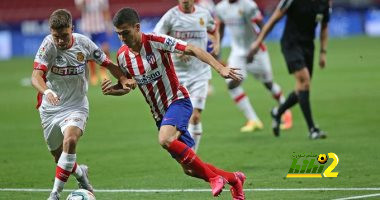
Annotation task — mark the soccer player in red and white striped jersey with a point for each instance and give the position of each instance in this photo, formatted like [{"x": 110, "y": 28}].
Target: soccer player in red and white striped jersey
[{"x": 146, "y": 57}]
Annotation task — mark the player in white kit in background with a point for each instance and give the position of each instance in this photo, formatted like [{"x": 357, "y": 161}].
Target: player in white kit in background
[
  {"x": 60, "y": 76},
  {"x": 96, "y": 24},
  {"x": 243, "y": 19},
  {"x": 191, "y": 23}
]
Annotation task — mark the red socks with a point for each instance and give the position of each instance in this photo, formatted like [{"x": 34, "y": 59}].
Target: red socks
[
  {"x": 185, "y": 155},
  {"x": 229, "y": 176}
]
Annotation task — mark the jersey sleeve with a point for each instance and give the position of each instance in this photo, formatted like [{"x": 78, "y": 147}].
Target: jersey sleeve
[
  {"x": 211, "y": 26},
  {"x": 163, "y": 26},
  {"x": 44, "y": 55},
  {"x": 285, "y": 4},
  {"x": 167, "y": 43},
  {"x": 253, "y": 13},
  {"x": 97, "y": 54}
]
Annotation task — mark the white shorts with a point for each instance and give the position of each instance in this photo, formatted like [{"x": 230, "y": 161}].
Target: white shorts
[
  {"x": 260, "y": 68},
  {"x": 198, "y": 93},
  {"x": 55, "y": 123}
]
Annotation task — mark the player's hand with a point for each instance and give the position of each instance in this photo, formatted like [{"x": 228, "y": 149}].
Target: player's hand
[
  {"x": 322, "y": 60},
  {"x": 51, "y": 97},
  {"x": 230, "y": 72},
  {"x": 253, "y": 51},
  {"x": 184, "y": 58},
  {"x": 128, "y": 83},
  {"x": 116, "y": 90}
]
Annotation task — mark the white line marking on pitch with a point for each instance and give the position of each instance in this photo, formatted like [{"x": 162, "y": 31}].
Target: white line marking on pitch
[
  {"x": 359, "y": 197},
  {"x": 192, "y": 190}
]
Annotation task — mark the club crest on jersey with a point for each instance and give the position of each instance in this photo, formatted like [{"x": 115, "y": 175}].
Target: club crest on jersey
[
  {"x": 151, "y": 58},
  {"x": 241, "y": 12},
  {"x": 80, "y": 56},
  {"x": 201, "y": 21}
]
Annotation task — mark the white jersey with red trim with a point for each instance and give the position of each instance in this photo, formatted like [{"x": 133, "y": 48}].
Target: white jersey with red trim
[
  {"x": 66, "y": 71},
  {"x": 92, "y": 20},
  {"x": 239, "y": 18},
  {"x": 154, "y": 72},
  {"x": 192, "y": 28}
]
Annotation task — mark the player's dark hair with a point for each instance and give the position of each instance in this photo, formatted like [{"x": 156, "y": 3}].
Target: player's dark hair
[
  {"x": 60, "y": 18},
  {"x": 126, "y": 15}
]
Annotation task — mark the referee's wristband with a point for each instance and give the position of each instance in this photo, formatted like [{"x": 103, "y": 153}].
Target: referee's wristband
[
  {"x": 50, "y": 91},
  {"x": 323, "y": 51}
]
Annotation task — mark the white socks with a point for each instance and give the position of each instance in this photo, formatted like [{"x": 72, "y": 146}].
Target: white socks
[
  {"x": 277, "y": 93},
  {"x": 64, "y": 167},
  {"x": 242, "y": 101},
  {"x": 196, "y": 132}
]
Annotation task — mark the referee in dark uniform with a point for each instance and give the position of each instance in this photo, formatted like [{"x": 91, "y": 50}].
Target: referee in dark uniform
[{"x": 297, "y": 45}]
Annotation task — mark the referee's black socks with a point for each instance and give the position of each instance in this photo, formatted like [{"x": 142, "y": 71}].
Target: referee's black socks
[
  {"x": 289, "y": 102},
  {"x": 303, "y": 98}
]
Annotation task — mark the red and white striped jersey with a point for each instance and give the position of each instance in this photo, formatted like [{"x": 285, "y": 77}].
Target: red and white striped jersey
[
  {"x": 154, "y": 72},
  {"x": 92, "y": 20},
  {"x": 240, "y": 19}
]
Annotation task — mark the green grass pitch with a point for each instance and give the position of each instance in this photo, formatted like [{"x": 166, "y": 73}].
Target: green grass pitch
[{"x": 121, "y": 148}]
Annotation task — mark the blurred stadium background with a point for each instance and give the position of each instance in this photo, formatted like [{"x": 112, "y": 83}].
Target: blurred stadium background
[
  {"x": 120, "y": 143},
  {"x": 23, "y": 23}
]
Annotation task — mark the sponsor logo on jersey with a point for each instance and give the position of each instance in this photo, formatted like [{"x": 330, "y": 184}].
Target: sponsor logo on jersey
[
  {"x": 148, "y": 77},
  {"x": 201, "y": 22},
  {"x": 183, "y": 35},
  {"x": 80, "y": 56},
  {"x": 68, "y": 70},
  {"x": 151, "y": 58}
]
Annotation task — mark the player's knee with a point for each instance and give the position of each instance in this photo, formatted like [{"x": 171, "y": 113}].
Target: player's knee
[
  {"x": 164, "y": 141},
  {"x": 196, "y": 117},
  {"x": 70, "y": 141},
  {"x": 233, "y": 84}
]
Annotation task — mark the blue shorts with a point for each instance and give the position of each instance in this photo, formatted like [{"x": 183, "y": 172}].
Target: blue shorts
[
  {"x": 99, "y": 38},
  {"x": 209, "y": 47},
  {"x": 178, "y": 114}
]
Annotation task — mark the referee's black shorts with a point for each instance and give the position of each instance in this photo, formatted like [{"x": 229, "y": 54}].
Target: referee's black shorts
[{"x": 298, "y": 56}]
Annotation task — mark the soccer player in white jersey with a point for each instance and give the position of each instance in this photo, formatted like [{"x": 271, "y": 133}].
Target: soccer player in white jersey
[
  {"x": 96, "y": 24},
  {"x": 60, "y": 76},
  {"x": 243, "y": 19},
  {"x": 191, "y": 24},
  {"x": 146, "y": 57}
]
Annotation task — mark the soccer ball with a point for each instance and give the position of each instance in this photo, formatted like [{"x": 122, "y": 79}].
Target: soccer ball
[
  {"x": 322, "y": 158},
  {"x": 81, "y": 194}
]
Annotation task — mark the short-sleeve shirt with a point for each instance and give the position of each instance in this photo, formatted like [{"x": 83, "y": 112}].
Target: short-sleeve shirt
[
  {"x": 66, "y": 71},
  {"x": 191, "y": 28},
  {"x": 302, "y": 19},
  {"x": 239, "y": 18},
  {"x": 154, "y": 72}
]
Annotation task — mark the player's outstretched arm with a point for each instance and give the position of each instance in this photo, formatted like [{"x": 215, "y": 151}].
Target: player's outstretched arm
[
  {"x": 225, "y": 72},
  {"x": 115, "y": 90},
  {"x": 126, "y": 83},
  {"x": 39, "y": 83},
  {"x": 276, "y": 16}
]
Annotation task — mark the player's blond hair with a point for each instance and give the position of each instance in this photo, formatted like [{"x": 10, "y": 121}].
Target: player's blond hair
[{"x": 59, "y": 19}]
